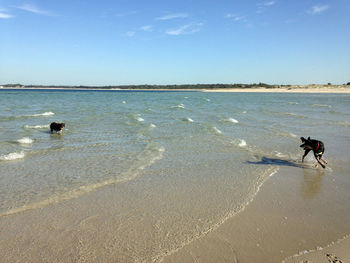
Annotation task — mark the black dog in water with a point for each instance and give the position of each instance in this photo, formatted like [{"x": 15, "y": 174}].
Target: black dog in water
[
  {"x": 316, "y": 146},
  {"x": 57, "y": 127}
]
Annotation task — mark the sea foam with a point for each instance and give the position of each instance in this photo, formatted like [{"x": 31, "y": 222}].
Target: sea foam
[
  {"x": 217, "y": 130},
  {"x": 292, "y": 135},
  {"x": 231, "y": 120},
  {"x": 188, "y": 120},
  {"x": 12, "y": 156},
  {"x": 25, "y": 140},
  {"x": 242, "y": 143}
]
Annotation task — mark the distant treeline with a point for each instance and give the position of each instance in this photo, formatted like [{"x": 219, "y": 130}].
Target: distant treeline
[
  {"x": 146, "y": 87},
  {"x": 160, "y": 87}
]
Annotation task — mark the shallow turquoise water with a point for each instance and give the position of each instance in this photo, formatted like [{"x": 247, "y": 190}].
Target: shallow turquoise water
[{"x": 229, "y": 141}]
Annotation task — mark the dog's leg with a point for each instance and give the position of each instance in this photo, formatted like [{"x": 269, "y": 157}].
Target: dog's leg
[
  {"x": 318, "y": 160},
  {"x": 323, "y": 160},
  {"x": 305, "y": 153}
]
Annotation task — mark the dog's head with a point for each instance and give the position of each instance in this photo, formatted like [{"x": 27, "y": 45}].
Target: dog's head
[
  {"x": 306, "y": 143},
  {"x": 61, "y": 125}
]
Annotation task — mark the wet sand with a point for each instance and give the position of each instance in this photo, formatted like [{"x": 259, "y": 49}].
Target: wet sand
[
  {"x": 338, "y": 252},
  {"x": 295, "y": 210}
]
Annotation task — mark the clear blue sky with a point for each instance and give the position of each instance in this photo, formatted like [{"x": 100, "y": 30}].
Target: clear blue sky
[{"x": 84, "y": 42}]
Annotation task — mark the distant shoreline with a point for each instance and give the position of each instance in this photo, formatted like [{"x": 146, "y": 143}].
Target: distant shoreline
[
  {"x": 201, "y": 88},
  {"x": 294, "y": 89}
]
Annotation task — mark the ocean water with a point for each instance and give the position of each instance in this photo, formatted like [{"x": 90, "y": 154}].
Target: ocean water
[{"x": 214, "y": 150}]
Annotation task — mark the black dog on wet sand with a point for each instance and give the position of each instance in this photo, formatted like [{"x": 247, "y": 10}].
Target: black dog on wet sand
[
  {"x": 316, "y": 146},
  {"x": 57, "y": 127}
]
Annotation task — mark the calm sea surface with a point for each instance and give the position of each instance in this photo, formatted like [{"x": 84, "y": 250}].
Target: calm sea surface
[{"x": 213, "y": 148}]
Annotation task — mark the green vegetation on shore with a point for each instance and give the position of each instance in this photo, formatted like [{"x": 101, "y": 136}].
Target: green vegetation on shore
[
  {"x": 149, "y": 87},
  {"x": 167, "y": 87}
]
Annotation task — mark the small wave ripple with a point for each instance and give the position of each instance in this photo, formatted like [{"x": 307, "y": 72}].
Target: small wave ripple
[
  {"x": 49, "y": 113},
  {"x": 152, "y": 153}
]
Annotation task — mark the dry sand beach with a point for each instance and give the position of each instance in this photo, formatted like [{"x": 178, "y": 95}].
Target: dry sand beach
[{"x": 293, "y": 89}]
